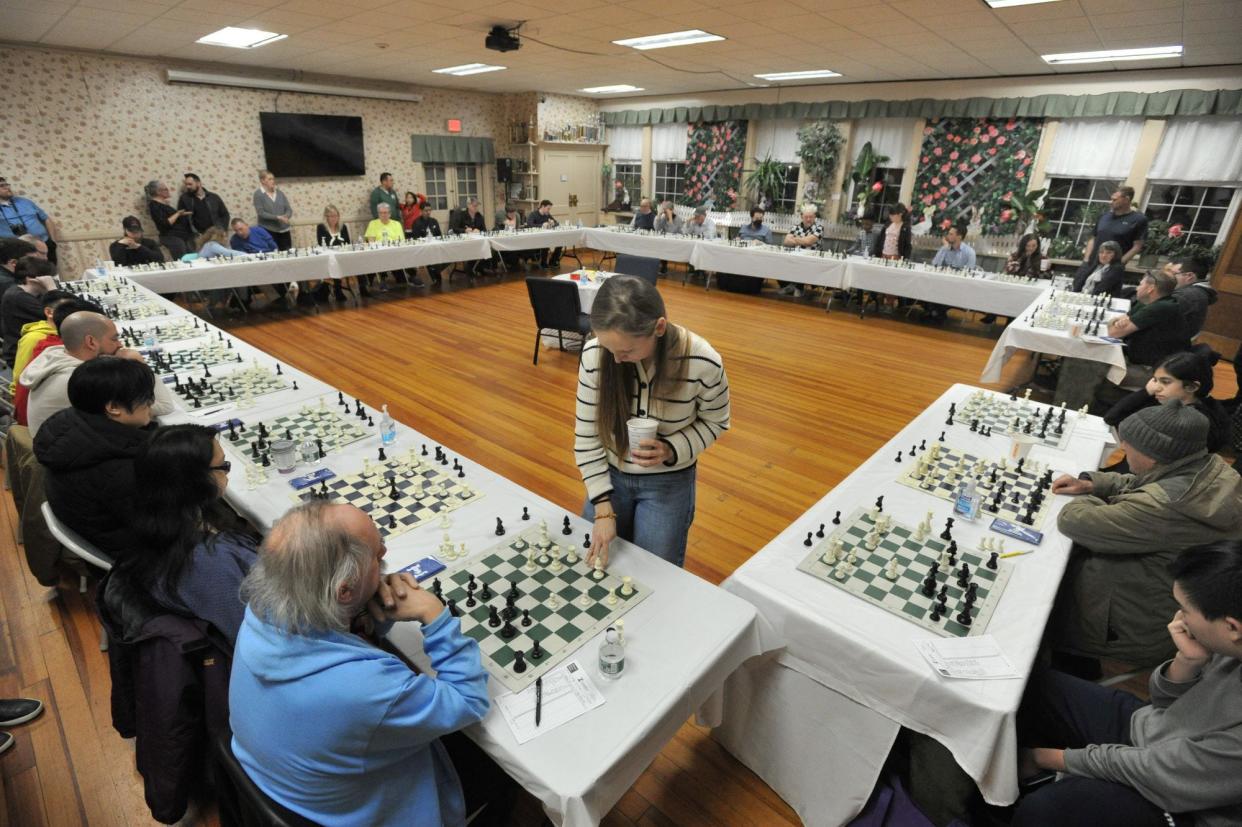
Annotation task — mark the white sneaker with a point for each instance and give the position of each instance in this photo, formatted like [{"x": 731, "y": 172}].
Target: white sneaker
[
  {"x": 797, "y": 292},
  {"x": 788, "y": 290}
]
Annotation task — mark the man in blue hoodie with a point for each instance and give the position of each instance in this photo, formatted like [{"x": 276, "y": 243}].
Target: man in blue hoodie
[{"x": 327, "y": 724}]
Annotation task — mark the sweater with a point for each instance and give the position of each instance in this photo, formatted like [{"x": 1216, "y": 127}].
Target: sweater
[
  {"x": 672, "y": 225},
  {"x": 379, "y": 195},
  {"x": 259, "y": 241},
  {"x": 147, "y": 252},
  {"x": 269, "y": 208},
  {"x": 1186, "y": 753},
  {"x": 344, "y": 733},
  {"x": 749, "y": 232},
  {"x": 21, "y": 394},
  {"x": 379, "y": 231},
  {"x": 326, "y": 238},
  {"x": 210, "y": 584},
  {"x": 17, "y": 309},
  {"x": 693, "y": 415},
  {"x": 643, "y": 220},
  {"x": 32, "y": 334}
]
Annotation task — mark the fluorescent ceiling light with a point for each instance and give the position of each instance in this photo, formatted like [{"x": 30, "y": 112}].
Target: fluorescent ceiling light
[
  {"x": 278, "y": 85},
  {"x": 607, "y": 90},
  {"x": 1004, "y": 4},
  {"x": 663, "y": 41},
  {"x": 807, "y": 75},
  {"x": 236, "y": 38},
  {"x": 468, "y": 69},
  {"x": 1109, "y": 55}
]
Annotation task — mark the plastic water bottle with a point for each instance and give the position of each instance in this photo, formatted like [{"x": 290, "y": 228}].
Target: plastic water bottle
[
  {"x": 100, "y": 270},
  {"x": 611, "y": 655},
  {"x": 388, "y": 428},
  {"x": 149, "y": 338}
]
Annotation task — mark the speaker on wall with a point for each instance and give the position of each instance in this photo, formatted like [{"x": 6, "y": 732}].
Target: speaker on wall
[{"x": 504, "y": 170}]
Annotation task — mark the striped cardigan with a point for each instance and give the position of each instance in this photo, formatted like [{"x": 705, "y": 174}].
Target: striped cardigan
[{"x": 691, "y": 417}]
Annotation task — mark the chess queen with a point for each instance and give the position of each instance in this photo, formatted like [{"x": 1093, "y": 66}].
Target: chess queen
[{"x": 641, "y": 366}]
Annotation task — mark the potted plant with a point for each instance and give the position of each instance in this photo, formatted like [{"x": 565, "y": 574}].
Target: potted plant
[
  {"x": 861, "y": 176},
  {"x": 766, "y": 182},
  {"x": 820, "y": 150},
  {"x": 1025, "y": 207}
]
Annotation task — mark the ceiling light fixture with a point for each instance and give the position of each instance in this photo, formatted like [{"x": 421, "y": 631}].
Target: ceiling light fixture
[
  {"x": 1005, "y": 4},
  {"x": 807, "y": 75},
  {"x": 468, "y": 69},
  {"x": 236, "y": 38},
  {"x": 608, "y": 90},
  {"x": 664, "y": 41},
  {"x": 1110, "y": 55},
  {"x": 275, "y": 85}
]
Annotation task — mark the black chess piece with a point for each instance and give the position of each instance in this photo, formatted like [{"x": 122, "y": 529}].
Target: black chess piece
[
  {"x": 493, "y": 617},
  {"x": 470, "y": 601},
  {"x": 963, "y": 617},
  {"x": 923, "y": 445},
  {"x": 266, "y": 462},
  {"x": 947, "y": 534},
  {"x": 392, "y": 522},
  {"x": 929, "y": 585},
  {"x": 279, "y": 372},
  {"x": 941, "y": 436},
  {"x": 437, "y": 589},
  {"x": 525, "y": 513},
  {"x": 586, "y": 542},
  {"x": 879, "y": 503},
  {"x": 508, "y": 631},
  {"x": 453, "y": 610},
  {"x": 820, "y": 533},
  {"x": 500, "y": 528},
  {"x": 382, "y": 456},
  {"x": 370, "y": 422},
  {"x": 565, "y": 527},
  {"x": 934, "y": 617},
  {"x": 323, "y": 489},
  {"x": 536, "y": 651},
  {"x": 514, "y": 592},
  {"x": 424, "y": 449},
  {"x": 807, "y": 541},
  {"x": 232, "y": 431},
  {"x": 974, "y": 426},
  {"x": 393, "y": 492},
  {"x": 519, "y": 658},
  {"x": 319, "y": 448},
  {"x": 486, "y": 592},
  {"x": 340, "y": 398},
  {"x": 836, "y": 520},
  {"x": 526, "y": 617},
  {"x": 898, "y": 459}
]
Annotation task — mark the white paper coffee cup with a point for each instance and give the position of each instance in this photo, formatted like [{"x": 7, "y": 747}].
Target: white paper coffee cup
[
  {"x": 1021, "y": 446},
  {"x": 639, "y": 429}
]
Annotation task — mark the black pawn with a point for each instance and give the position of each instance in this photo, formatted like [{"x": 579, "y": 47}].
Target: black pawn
[
  {"x": 923, "y": 445},
  {"x": 526, "y": 617},
  {"x": 807, "y": 541},
  {"x": 493, "y": 617},
  {"x": 486, "y": 592},
  {"x": 279, "y": 372},
  {"x": 471, "y": 602},
  {"x": 519, "y": 660},
  {"x": 436, "y": 588},
  {"x": 525, "y": 512},
  {"x": 935, "y": 613},
  {"x": 879, "y": 503},
  {"x": 941, "y": 436},
  {"x": 424, "y": 449},
  {"x": 513, "y": 590},
  {"x": 453, "y": 610},
  {"x": 565, "y": 528},
  {"x": 536, "y": 651},
  {"x": 586, "y": 541},
  {"x": 370, "y": 422},
  {"x": 898, "y": 458},
  {"x": 392, "y": 522},
  {"x": 820, "y": 533},
  {"x": 508, "y": 631},
  {"x": 340, "y": 398},
  {"x": 837, "y": 519},
  {"x": 500, "y": 528},
  {"x": 963, "y": 617}
]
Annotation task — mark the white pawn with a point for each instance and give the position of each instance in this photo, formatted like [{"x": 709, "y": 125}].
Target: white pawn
[
  {"x": 556, "y": 559},
  {"x": 612, "y": 597},
  {"x": 572, "y": 556},
  {"x": 627, "y": 585},
  {"x": 598, "y": 574},
  {"x": 461, "y": 552},
  {"x": 554, "y": 602},
  {"x": 584, "y": 601},
  {"x": 890, "y": 570}
]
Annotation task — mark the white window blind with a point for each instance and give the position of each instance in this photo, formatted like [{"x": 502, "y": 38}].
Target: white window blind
[
  {"x": 625, "y": 143},
  {"x": 888, "y": 136},
  {"x": 1095, "y": 148},
  {"x": 668, "y": 142},
  {"x": 777, "y": 139},
  {"x": 1200, "y": 150}
]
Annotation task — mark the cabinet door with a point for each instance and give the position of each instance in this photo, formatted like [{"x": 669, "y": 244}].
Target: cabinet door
[{"x": 1223, "y": 329}]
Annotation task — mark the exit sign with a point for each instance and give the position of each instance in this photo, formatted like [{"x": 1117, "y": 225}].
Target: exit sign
[{"x": 453, "y": 125}]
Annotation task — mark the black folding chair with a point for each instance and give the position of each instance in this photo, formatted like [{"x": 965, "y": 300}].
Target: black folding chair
[
  {"x": 644, "y": 268},
  {"x": 557, "y": 307},
  {"x": 241, "y": 802}
]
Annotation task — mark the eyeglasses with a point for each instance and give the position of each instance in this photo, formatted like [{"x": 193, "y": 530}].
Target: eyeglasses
[{"x": 225, "y": 466}]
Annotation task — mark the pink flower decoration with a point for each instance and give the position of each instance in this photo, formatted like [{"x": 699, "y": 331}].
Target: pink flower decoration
[
  {"x": 963, "y": 166},
  {"x": 946, "y": 224},
  {"x": 991, "y": 150},
  {"x": 1020, "y": 154},
  {"x": 1007, "y": 196},
  {"x": 976, "y": 158},
  {"x": 878, "y": 186},
  {"x": 925, "y": 159},
  {"x": 936, "y": 181},
  {"x": 943, "y": 191},
  {"x": 993, "y": 131},
  {"x": 1175, "y": 231},
  {"x": 927, "y": 130},
  {"x": 1009, "y": 125},
  {"x": 1006, "y": 215},
  {"x": 937, "y": 152},
  {"x": 985, "y": 138},
  {"x": 946, "y": 167},
  {"x": 927, "y": 199},
  {"x": 953, "y": 180},
  {"x": 953, "y": 155},
  {"x": 1019, "y": 175},
  {"x": 1000, "y": 141},
  {"x": 1026, "y": 162}
]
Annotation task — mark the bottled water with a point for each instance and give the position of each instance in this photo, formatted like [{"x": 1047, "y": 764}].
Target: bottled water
[{"x": 388, "y": 428}]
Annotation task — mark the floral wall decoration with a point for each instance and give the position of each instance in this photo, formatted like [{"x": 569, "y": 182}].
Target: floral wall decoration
[
  {"x": 714, "y": 157},
  {"x": 970, "y": 167}
]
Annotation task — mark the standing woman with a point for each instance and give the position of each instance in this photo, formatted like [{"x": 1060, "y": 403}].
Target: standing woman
[
  {"x": 641, "y": 365},
  {"x": 331, "y": 233},
  {"x": 273, "y": 210},
  {"x": 895, "y": 241},
  {"x": 411, "y": 209}
]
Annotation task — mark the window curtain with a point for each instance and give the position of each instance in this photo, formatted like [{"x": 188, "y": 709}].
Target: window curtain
[
  {"x": 625, "y": 143},
  {"x": 888, "y": 136},
  {"x": 1200, "y": 150},
  {"x": 443, "y": 149},
  {"x": 1095, "y": 148},
  {"x": 778, "y": 139},
  {"x": 668, "y": 142}
]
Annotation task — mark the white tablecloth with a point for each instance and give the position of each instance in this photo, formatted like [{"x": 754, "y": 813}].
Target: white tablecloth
[
  {"x": 768, "y": 262},
  {"x": 667, "y": 248},
  {"x": 537, "y": 239},
  {"x": 225, "y": 273},
  {"x": 682, "y": 642},
  {"x": 587, "y": 289},
  {"x": 849, "y": 648},
  {"x": 984, "y": 295},
  {"x": 1021, "y": 335},
  {"x": 360, "y": 262}
]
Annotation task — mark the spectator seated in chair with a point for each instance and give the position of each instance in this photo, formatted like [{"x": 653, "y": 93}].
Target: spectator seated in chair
[
  {"x": 33, "y": 333},
  {"x": 131, "y": 248},
  {"x": 23, "y": 302},
  {"x": 1193, "y": 294},
  {"x": 644, "y": 218},
  {"x": 542, "y": 217},
  {"x": 192, "y": 551},
  {"x": 62, "y": 311},
  {"x": 383, "y": 755},
  {"x": 88, "y": 451},
  {"x": 1105, "y": 275},
  {"x": 1126, "y": 529},
  {"x": 1173, "y": 761}
]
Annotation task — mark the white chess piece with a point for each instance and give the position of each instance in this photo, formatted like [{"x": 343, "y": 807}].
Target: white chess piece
[
  {"x": 530, "y": 560},
  {"x": 598, "y": 573},
  {"x": 584, "y": 601},
  {"x": 554, "y": 602},
  {"x": 571, "y": 556},
  {"x": 612, "y": 597},
  {"x": 627, "y": 585},
  {"x": 890, "y": 570}
]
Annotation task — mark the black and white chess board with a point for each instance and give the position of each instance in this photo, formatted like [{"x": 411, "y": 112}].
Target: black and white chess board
[
  {"x": 240, "y": 386},
  {"x": 323, "y": 427},
  {"x": 997, "y": 414},
  {"x": 204, "y": 357},
  {"x": 1018, "y": 492},
  {"x": 852, "y": 567},
  {"x": 558, "y": 604},
  {"x": 171, "y": 330}
]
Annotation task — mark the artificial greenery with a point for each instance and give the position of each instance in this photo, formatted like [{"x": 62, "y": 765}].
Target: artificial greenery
[
  {"x": 766, "y": 182},
  {"x": 861, "y": 175},
  {"x": 714, "y": 154},
  {"x": 1064, "y": 246},
  {"x": 820, "y": 151},
  {"x": 1021, "y": 208}
]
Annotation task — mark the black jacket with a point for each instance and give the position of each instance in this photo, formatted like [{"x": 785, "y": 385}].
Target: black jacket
[
  {"x": 176, "y": 671},
  {"x": 462, "y": 220},
  {"x": 905, "y": 241},
  {"x": 161, "y": 213},
  {"x": 324, "y": 237},
  {"x": 89, "y": 461},
  {"x": 1217, "y": 416},
  {"x": 218, "y": 213},
  {"x": 1110, "y": 282},
  {"x": 425, "y": 225},
  {"x": 1194, "y": 300},
  {"x": 147, "y": 252}
]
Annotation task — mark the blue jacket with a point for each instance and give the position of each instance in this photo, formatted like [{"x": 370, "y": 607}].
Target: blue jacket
[
  {"x": 345, "y": 733},
  {"x": 211, "y": 581},
  {"x": 259, "y": 241}
]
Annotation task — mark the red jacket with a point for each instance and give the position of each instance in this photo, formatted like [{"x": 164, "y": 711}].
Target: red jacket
[
  {"x": 411, "y": 212},
  {"x": 22, "y": 395}
]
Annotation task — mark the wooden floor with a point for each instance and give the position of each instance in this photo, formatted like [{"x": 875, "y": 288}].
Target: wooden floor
[{"x": 814, "y": 394}]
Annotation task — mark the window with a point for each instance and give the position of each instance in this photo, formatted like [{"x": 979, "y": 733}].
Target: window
[
  {"x": 1200, "y": 210},
  {"x": 1073, "y": 206},
  {"x": 467, "y": 184},
  {"x": 629, "y": 173},
  {"x": 437, "y": 186},
  {"x": 669, "y": 178},
  {"x": 788, "y": 200},
  {"x": 890, "y": 177}
]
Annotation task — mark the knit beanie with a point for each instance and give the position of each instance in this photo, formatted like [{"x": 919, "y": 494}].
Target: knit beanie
[{"x": 1166, "y": 432}]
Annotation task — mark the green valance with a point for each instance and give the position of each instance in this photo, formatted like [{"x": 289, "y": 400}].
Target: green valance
[
  {"x": 449, "y": 149},
  {"x": 1113, "y": 104}
]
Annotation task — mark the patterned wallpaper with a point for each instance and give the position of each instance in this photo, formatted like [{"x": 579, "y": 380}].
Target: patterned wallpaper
[
  {"x": 96, "y": 128},
  {"x": 556, "y": 111}
]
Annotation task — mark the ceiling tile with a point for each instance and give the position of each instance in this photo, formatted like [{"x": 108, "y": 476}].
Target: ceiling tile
[{"x": 30, "y": 26}]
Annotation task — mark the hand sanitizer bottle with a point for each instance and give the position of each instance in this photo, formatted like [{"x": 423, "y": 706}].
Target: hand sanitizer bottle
[
  {"x": 968, "y": 500},
  {"x": 388, "y": 428},
  {"x": 611, "y": 655}
]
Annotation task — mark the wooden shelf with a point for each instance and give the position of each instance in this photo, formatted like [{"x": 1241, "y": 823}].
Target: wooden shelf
[{"x": 570, "y": 143}]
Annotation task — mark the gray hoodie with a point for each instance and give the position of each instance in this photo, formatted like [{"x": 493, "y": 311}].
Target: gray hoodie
[
  {"x": 47, "y": 378},
  {"x": 1187, "y": 753}
]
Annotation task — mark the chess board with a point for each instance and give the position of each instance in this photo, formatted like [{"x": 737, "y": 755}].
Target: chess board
[
  {"x": 240, "y": 386},
  {"x": 904, "y": 596},
  {"x": 424, "y": 492},
  {"x": 132, "y": 311},
  {"x": 1009, "y": 416},
  {"x": 329, "y": 428},
  {"x": 942, "y": 478},
  {"x": 109, "y": 285},
  {"x": 560, "y": 631},
  {"x": 193, "y": 358},
  {"x": 173, "y": 330}
]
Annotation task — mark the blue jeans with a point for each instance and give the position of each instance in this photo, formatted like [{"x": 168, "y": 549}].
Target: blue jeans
[{"x": 654, "y": 511}]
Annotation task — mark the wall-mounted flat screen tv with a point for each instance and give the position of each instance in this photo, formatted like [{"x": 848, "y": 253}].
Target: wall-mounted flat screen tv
[{"x": 307, "y": 146}]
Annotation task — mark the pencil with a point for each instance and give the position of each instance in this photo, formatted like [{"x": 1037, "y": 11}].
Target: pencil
[
  {"x": 1017, "y": 553},
  {"x": 538, "y": 700}
]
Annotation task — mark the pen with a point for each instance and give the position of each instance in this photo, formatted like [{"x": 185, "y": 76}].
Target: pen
[
  {"x": 538, "y": 700},
  {"x": 1017, "y": 553}
]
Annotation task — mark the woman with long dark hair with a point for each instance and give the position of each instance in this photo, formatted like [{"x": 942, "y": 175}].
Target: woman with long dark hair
[
  {"x": 896, "y": 240},
  {"x": 192, "y": 552},
  {"x": 640, "y": 365},
  {"x": 1027, "y": 259}
]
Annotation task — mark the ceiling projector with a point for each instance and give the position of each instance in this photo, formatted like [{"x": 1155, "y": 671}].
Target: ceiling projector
[{"x": 499, "y": 39}]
